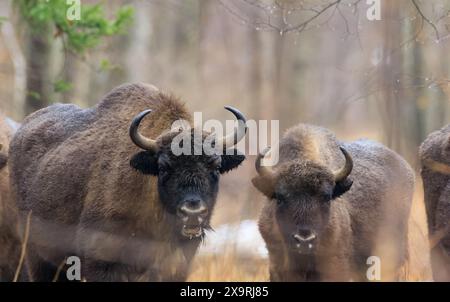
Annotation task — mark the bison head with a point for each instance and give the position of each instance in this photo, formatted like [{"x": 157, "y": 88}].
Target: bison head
[
  {"x": 303, "y": 191},
  {"x": 187, "y": 184}
]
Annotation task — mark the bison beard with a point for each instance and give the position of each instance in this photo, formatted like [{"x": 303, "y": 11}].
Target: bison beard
[
  {"x": 435, "y": 158},
  {"x": 333, "y": 205},
  {"x": 93, "y": 192}
]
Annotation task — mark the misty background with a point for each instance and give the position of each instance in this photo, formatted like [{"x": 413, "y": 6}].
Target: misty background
[{"x": 320, "y": 62}]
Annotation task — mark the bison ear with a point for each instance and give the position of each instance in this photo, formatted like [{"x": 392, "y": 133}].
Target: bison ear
[
  {"x": 229, "y": 162},
  {"x": 341, "y": 187},
  {"x": 145, "y": 162},
  {"x": 263, "y": 185}
]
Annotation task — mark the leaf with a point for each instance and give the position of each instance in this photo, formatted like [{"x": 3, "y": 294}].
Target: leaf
[
  {"x": 3, "y": 19},
  {"x": 81, "y": 35},
  {"x": 34, "y": 94},
  {"x": 105, "y": 65},
  {"x": 61, "y": 86}
]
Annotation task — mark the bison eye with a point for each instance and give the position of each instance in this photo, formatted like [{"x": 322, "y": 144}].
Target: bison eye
[
  {"x": 215, "y": 175},
  {"x": 279, "y": 198},
  {"x": 164, "y": 172},
  {"x": 164, "y": 166},
  {"x": 326, "y": 196},
  {"x": 215, "y": 163}
]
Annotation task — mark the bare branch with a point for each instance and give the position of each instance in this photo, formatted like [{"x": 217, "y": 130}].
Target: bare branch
[
  {"x": 281, "y": 12},
  {"x": 426, "y": 19},
  {"x": 246, "y": 20},
  {"x": 305, "y": 23}
]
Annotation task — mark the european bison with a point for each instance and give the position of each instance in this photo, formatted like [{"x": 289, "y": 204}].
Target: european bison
[
  {"x": 435, "y": 159},
  {"x": 9, "y": 239},
  {"x": 114, "y": 195},
  {"x": 332, "y": 205}
]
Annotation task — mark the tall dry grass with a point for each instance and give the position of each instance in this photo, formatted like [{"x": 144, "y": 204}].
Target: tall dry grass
[
  {"x": 418, "y": 267},
  {"x": 228, "y": 268}
]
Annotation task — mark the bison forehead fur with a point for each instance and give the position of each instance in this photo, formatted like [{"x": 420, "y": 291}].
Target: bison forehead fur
[
  {"x": 435, "y": 160},
  {"x": 346, "y": 227},
  {"x": 73, "y": 168},
  {"x": 300, "y": 177}
]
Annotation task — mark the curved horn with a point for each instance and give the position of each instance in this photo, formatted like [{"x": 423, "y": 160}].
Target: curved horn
[
  {"x": 239, "y": 131},
  {"x": 264, "y": 171},
  {"x": 137, "y": 138},
  {"x": 346, "y": 170}
]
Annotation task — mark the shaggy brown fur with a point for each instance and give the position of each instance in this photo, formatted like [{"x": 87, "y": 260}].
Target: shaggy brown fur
[
  {"x": 375, "y": 209},
  {"x": 9, "y": 240},
  {"x": 435, "y": 158},
  {"x": 71, "y": 167}
]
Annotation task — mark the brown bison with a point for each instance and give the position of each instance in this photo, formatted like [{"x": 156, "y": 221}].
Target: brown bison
[
  {"x": 332, "y": 205},
  {"x": 114, "y": 195},
  {"x": 435, "y": 159},
  {"x": 9, "y": 239}
]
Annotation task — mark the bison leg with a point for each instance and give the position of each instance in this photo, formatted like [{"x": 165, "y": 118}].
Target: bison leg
[
  {"x": 440, "y": 263},
  {"x": 103, "y": 271},
  {"x": 9, "y": 254},
  {"x": 38, "y": 269}
]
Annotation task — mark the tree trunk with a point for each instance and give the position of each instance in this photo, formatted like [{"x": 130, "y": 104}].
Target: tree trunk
[
  {"x": 389, "y": 72},
  {"x": 38, "y": 72},
  {"x": 18, "y": 61}
]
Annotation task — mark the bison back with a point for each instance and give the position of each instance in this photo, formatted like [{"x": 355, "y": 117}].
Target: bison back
[
  {"x": 34, "y": 147},
  {"x": 380, "y": 202}
]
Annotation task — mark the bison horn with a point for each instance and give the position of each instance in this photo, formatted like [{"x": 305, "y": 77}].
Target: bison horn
[
  {"x": 137, "y": 138},
  {"x": 346, "y": 170},
  {"x": 264, "y": 171},
  {"x": 239, "y": 132}
]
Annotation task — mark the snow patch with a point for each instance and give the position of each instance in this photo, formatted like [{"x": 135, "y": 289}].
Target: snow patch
[{"x": 243, "y": 238}]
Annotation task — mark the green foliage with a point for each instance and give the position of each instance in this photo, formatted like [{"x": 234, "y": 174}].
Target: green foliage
[
  {"x": 62, "y": 86},
  {"x": 106, "y": 65},
  {"x": 2, "y": 20},
  {"x": 79, "y": 35},
  {"x": 35, "y": 95},
  {"x": 49, "y": 18}
]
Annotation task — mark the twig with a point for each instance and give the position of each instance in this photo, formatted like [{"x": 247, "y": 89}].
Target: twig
[
  {"x": 24, "y": 247},
  {"x": 282, "y": 10},
  {"x": 267, "y": 26},
  {"x": 437, "y": 236},
  {"x": 426, "y": 19},
  {"x": 58, "y": 271},
  {"x": 306, "y": 22}
]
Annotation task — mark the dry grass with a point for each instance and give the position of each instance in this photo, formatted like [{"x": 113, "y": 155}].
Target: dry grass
[
  {"x": 23, "y": 248},
  {"x": 229, "y": 267},
  {"x": 418, "y": 267}
]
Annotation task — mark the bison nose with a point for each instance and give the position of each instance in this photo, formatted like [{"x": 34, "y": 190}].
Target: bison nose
[
  {"x": 193, "y": 208},
  {"x": 304, "y": 236}
]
